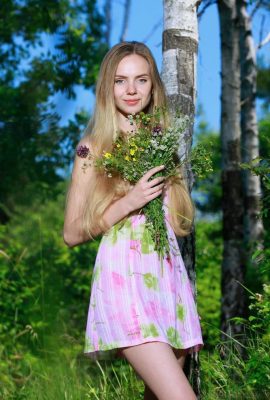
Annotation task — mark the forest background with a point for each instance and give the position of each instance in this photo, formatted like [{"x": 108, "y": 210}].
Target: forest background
[{"x": 50, "y": 54}]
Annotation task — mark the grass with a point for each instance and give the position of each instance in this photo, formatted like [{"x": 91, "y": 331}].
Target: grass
[
  {"x": 64, "y": 373},
  {"x": 237, "y": 377}
]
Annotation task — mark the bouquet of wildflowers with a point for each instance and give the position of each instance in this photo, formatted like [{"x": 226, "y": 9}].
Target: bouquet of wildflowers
[{"x": 132, "y": 155}]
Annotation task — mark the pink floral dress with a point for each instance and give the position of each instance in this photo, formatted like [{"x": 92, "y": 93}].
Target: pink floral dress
[{"x": 133, "y": 299}]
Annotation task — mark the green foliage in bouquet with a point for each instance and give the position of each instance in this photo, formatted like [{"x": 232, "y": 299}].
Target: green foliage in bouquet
[{"x": 150, "y": 144}]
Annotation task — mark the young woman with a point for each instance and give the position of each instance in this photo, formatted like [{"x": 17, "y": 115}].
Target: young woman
[{"x": 135, "y": 311}]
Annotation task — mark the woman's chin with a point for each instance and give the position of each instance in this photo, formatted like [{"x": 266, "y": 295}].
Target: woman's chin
[{"x": 131, "y": 110}]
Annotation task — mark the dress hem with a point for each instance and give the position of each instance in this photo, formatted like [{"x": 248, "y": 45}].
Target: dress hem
[{"x": 194, "y": 346}]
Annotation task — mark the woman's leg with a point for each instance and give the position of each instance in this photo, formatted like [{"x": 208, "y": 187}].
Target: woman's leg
[
  {"x": 159, "y": 368},
  {"x": 181, "y": 357}
]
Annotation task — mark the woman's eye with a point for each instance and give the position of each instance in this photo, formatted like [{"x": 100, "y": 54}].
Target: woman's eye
[
  {"x": 119, "y": 81},
  {"x": 142, "y": 80}
]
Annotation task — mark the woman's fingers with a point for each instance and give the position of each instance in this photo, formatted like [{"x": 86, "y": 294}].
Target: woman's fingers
[
  {"x": 155, "y": 189},
  {"x": 144, "y": 190},
  {"x": 151, "y": 172},
  {"x": 156, "y": 181},
  {"x": 154, "y": 195}
]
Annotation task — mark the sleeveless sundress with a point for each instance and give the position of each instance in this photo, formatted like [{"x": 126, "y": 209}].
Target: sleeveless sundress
[{"x": 137, "y": 299}]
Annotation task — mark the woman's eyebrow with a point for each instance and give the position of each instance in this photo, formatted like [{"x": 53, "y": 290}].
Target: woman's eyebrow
[{"x": 138, "y": 76}]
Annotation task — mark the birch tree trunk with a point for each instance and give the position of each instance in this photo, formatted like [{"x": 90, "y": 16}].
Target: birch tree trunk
[
  {"x": 180, "y": 49},
  {"x": 253, "y": 227},
  {"x": 233, "y": 295}
]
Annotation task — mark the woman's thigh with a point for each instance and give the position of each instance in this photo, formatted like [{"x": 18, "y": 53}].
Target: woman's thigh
[
  {"x": 180, "y": 355},
  {"x": 157, "y": 365}
]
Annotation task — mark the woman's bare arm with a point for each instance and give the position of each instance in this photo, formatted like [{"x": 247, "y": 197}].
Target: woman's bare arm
[
  {"x": 73, "y": 232},
  {"x": 77, "y": 195}
]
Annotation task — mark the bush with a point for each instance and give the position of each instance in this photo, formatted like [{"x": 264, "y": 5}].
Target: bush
[{"x": 44, "y": 287}]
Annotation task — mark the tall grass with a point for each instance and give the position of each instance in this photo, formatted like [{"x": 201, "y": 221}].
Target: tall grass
[
  {"x": 237, "y": 369},
  {"x": 64, "y": 373}
]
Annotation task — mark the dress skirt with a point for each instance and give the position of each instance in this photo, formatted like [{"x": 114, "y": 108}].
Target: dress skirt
[{"x": 137, "y": 298}]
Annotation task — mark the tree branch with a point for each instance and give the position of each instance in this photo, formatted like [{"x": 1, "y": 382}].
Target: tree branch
[
  {"x": 261, "y": 29},
  {"x": 108, "y": 20},
  {"x": 255, "y": 9},
  {"x": 206, "y": 4},
  {"x": 264, "y": 41},
  {"x": 155, "y": 27},
  {"x": 125, "y": 21}
]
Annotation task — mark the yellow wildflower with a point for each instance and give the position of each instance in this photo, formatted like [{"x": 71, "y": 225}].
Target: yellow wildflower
[
  {"x": 107, "y": 155},
  {"x": 127, "y": 158},
  {"x": 134, "y": 159},
  {"x": 132, "y": 152},
  {"x": 118, "y": 145}
]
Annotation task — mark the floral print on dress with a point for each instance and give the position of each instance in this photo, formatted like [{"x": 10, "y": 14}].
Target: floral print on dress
[{"x": 135, "y": 298}]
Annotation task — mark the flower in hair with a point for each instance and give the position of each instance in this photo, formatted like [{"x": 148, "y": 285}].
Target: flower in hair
[{"x": 82, "y": 151}]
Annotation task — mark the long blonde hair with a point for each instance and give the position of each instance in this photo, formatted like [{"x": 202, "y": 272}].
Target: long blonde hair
[{"x": 102, "y": 130}]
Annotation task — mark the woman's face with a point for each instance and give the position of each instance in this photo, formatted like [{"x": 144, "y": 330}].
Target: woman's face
[{"x": 132, "y": 85}]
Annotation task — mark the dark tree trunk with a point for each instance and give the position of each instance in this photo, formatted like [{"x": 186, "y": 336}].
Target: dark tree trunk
[{"x": 233, "y": 269}]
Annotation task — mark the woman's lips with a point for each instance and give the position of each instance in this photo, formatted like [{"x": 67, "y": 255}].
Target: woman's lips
[{"x": 131, "y": 102}]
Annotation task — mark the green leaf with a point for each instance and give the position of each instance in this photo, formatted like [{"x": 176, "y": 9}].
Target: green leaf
[
  {"x": 96, "y": 273},
  {"x": 180, "y": 311},
  {"x": 174, "y": 337},
  {"x": 150, "y": 281},
  {"x": 114, "y": 234},
  {"x": 149, "y": 330},
  {"x": 88, "y": 345},
  {"x": 147, "y": 242}
]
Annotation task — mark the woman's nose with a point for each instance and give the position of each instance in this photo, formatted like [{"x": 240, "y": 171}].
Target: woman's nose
[{"x": 131, "y": 88}]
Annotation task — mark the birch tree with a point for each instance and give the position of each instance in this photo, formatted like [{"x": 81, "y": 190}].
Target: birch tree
[
  {"x": 253, "y": 228},
  {"x": 233, "y": 295},
  {"x": 180, "y": 49}
]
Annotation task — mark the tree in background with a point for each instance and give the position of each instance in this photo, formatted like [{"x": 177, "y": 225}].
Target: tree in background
[
  {"x": 180, "y": 48},
  {"x": 241, "y": 197},
  {"x": 233, "y": 269},
  {"x": 46, "y": 47},
  {"x": 253, "y": 228}
]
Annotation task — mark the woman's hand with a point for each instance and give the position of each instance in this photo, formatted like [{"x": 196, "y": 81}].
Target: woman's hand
[{"x": 145, "y": 190}]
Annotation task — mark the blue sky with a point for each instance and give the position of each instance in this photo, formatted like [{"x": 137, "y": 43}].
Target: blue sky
[{"x": 145, "y": 14}]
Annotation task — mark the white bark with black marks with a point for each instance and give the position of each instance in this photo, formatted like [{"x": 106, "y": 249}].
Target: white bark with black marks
[
  {"x": 253, "y": 228},
  {"x": 180, "y": 49}
]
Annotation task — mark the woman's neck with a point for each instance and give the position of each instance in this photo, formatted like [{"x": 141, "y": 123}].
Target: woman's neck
[{"x": 124, "y": 123}]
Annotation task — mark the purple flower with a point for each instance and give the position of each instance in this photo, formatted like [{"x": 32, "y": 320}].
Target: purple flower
[
  {"x": 82, "y": 151},
  {"x": 157, "y": 130}
]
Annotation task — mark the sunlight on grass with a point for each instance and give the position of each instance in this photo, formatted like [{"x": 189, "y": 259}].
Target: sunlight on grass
[{"x": 69, "y": 376}]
